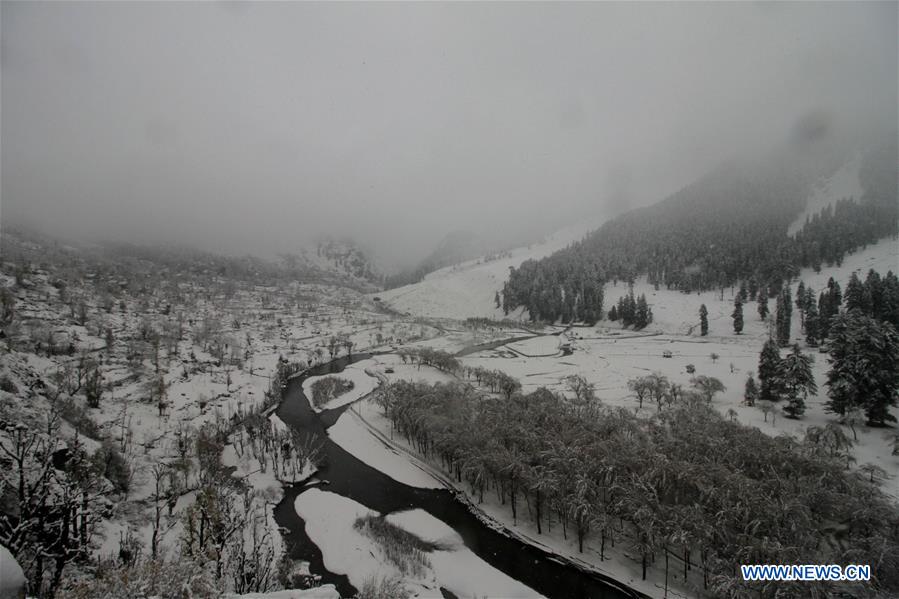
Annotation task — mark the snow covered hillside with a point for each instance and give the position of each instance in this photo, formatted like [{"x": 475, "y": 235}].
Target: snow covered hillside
[
  {"x": 468, "y": 289},
  {"x": 844, "y": 183}
]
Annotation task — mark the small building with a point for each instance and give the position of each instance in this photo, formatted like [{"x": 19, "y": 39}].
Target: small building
[{"x": 667, "y": 354}]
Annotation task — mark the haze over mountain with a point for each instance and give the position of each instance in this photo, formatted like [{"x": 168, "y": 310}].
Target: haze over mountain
[{"x": 259, "y": 127}]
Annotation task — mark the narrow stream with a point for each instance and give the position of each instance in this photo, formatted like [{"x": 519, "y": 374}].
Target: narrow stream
[{"x": 352, "y": 478}]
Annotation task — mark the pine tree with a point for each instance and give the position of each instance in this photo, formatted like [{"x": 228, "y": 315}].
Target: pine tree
[
  {"x": 784, "y": 316},
  {"x": 751, "y": 394},
  {"x": 703, "y": 320},
  {"x": 496, "y": 299},
  {"x": 779, "y": 316},
  {"x": 864, "y": 358},
  {"x": 641, "y": 316},
  {"x": 889, "y": 299},
  {"x": 800, "y": 297},
  {"x": 823, "y": 315},
  {"x": 613, "y": 314},
  {"x": 798, "y": 381},
  {"x": 812, "y": 322},
  {"x": 738, "y": 315},
  {"x": 753, "y": 288},
  {"x": 769, "y": 372},
  {"x": 836, "y": 296},
  {"x": 828, "y": 307},
  {"x": 763, "y": 303},
  {"x": 856, "y": 296},
  {"x": 874, "y": 293}
]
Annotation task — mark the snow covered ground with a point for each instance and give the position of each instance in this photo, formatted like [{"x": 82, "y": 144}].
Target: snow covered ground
[
  {"x": 363, "y": 384},
  {"x": 544, "y": 345},
  {"x": 609, "y": 356},
  {"x": 352, "y": 435},
  {"x": 329, "y": 523}
]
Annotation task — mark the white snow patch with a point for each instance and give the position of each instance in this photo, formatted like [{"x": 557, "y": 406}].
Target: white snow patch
[
  {"x": 844, "y": 183},
  {"x": 352, "y": 434},
  {"x": 363, "y": 384},
  {"x": 426, "y": 527},
  {"x": 544, "y": 345},
  {"x": 12, "y": 579},
  {"x": 329, "y": 523}
]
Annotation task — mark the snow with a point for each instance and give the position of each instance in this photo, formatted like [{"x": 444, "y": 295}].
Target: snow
[
  {"x": 544, "y": 345},
  {"x": 12, "y": 579},
  {"x": 352, "y": 434},
  {"x": 609, "y": 356},
  {"x": 278, "y": 424},
  {"x": 844, "y": 183},
  {"x": 468, "y": 289},
  {"x": 329, "y": 523},
  {"x": 363, "y": 384},
  {"x": 426, "y": 527},
  {"x": 326, "y": 591}
]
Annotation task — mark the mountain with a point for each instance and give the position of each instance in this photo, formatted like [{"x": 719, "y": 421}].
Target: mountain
[
  {"x": 469, "y": 288},
  {"x": 759, "y": 221},
  {"x": 727, "y": 227},
  {"x": 345, "y": 257},
  {"x": 455, "y": 247},
  {"x": 338, "y": 264}
]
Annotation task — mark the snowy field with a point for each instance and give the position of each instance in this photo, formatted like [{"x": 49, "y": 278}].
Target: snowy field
[{"x": 609, "y": 356}]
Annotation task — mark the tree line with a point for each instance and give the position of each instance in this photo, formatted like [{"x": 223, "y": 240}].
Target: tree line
[
  {"x": 683, "y": 487},
  {"x": 862, "y": 342}
]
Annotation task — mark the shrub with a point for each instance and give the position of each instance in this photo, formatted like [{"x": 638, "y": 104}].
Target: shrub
[
  {"x": 383, "y": 588},
  {"x": 110, "y": 462},
  {"x": 160, "y": 579},
  {"x": 402, "y": 548}
]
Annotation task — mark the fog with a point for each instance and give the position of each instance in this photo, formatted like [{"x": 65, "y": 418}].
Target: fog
[{"x": 261, "y": 127}]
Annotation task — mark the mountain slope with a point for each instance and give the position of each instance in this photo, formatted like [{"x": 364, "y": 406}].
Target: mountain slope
[
  {"x": 455, "y": 247},
  {"x": 727, "y": 227},
  {"x": 469, "y": 289}
]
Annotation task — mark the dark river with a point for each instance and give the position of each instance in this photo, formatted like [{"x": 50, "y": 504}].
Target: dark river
[{"x": 356, "y": 480}]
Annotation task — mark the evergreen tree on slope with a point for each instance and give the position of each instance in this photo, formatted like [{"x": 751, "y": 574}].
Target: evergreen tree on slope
[{"x": 864, "y": 358}]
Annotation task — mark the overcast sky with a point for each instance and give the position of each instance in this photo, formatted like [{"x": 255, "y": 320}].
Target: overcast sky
[{"x": 258, "y": 127}]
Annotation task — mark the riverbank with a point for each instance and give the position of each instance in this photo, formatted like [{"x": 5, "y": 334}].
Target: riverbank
[
  {"x": 345, "y": 475},
  {"x": 619, "y": 566}
]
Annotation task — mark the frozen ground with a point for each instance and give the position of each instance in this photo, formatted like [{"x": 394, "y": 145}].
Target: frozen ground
[
  {"x": 329, "y": 523},
  {"x": 352, "y": 435},
  {"x": 363, "y": 384}
]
